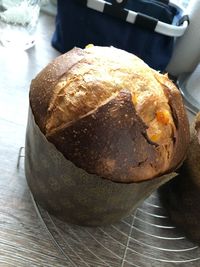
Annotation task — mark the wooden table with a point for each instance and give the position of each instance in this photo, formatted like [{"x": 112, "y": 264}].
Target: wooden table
[{"x": 24, "y": 239}]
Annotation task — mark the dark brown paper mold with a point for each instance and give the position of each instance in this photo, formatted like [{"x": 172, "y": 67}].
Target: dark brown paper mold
[
  {"x": 71, "y": 193},
  {"x": 181, "y": 196}
]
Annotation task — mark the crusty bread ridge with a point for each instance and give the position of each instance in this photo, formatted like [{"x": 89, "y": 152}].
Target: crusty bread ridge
[
  {"x": 111, "y": 114},
  {"x": 42, "y": 86}
]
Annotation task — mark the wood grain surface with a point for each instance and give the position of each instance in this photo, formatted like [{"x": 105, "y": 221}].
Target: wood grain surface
[{"x": 23, "y": 240}]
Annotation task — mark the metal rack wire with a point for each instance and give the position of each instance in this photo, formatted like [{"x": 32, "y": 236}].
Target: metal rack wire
[{"x": 146, "y": 238}]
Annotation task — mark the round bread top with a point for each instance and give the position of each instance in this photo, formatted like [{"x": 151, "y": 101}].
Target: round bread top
[{"x": 111, "y": 114}]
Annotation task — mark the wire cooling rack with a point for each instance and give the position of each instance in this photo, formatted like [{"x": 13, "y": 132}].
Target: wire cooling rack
[{"x": 145, "y": 238}]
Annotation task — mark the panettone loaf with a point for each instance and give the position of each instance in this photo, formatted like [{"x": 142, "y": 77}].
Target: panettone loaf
[
  {"x": 181, "y": 197},
  {"x": 110, "y": 114}
]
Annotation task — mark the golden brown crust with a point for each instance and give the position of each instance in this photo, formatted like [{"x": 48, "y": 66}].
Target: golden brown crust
[
  {"x": 42, "y": 86},
  {"x": 182, "y": 134},
  {"x": 100, "y": 75},
  {"x": 115, "y": 143},
  {"x": 77, "y": 93}
]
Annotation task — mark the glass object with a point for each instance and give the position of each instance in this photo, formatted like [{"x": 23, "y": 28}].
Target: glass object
[{"x": 18, "y": 21}]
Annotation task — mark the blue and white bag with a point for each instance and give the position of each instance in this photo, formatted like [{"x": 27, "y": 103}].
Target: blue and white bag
[{"x": 146, "y": 28}]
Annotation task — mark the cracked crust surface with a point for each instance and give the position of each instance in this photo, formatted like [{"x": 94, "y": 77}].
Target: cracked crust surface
[{"x": 110, "y": 114}]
